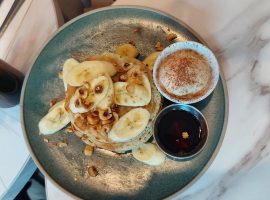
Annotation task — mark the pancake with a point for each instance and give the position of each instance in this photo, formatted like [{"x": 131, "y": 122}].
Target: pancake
[{"x": 97, "y": 134}]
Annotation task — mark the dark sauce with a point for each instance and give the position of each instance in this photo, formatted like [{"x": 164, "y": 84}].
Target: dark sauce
[{"x": 180, "y": 132}]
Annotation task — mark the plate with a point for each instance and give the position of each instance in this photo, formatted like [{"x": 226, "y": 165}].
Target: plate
[{"x": 93, "y": 33}]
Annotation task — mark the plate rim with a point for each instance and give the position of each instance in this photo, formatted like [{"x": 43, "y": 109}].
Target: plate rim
[{"x": 225, "y": 90}]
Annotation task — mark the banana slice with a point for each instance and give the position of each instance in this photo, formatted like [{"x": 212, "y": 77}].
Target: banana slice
[
  {"x": 149, "y": 154},
  {"x": 127, "y": 50},
  {"x": 85, "y": 98},
  {"x": 56, "y": 119},
  {"x": 68, "y": 66},
  {"x": 151, "y": 59},
  {"x": 88, "y": 70},
  {"x": 108, "y": 100},
  {"x": 135, "y": 92},
  {"x": 130, "y": 125}
]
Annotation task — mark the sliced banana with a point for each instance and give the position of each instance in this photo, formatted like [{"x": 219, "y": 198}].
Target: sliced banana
[
  {"x": 108, "y": 100},
  {"x": 56, "y": 119},
  {"x": 149, "y": 154},
  {"x": 151, "y": 59},
  {"x": 88, "y": 70},
  {"x": 127, "y": 50},
  {"x": 68, "y": 66},
  {"x": 85, "y": 98},
  {"x": 135, "y": 92},
  {"x": 130, "y": 125}
]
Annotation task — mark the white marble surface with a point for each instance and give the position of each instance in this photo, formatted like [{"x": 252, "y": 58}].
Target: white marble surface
[{"x": 239, "y": 34}]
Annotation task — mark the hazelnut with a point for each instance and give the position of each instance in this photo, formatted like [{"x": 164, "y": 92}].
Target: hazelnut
[
  {"x": 159, "y": 46},
  {"x": 92, "y": 120},
  {"x": 98, "y": 89},
  {"x": 62, "y": 144},
  {"x": 92, "y": 171},
  {"x": 171, "y": 36},
  {"x": 123, "y": 77},
  {"x": 105, "y": 114},
  {"x": 88, "y": 150}
]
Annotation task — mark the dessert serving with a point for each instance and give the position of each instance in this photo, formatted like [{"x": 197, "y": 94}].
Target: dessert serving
[{"x": 186, "y": 72}]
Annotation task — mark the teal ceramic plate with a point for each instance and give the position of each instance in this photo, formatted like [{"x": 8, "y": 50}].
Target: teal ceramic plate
[{"x": 95, "y": 32}]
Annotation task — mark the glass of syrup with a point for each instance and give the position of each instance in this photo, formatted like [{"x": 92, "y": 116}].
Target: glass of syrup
[
  {"x": 10, "y": 85},
  {"x": 181, "y": 131}
]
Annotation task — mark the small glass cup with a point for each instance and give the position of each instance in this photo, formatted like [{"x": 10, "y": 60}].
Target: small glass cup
[{"x": 10, "y": 85}]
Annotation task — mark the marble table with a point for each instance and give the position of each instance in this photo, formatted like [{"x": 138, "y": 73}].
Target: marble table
[{"x": 239, "y": 34}]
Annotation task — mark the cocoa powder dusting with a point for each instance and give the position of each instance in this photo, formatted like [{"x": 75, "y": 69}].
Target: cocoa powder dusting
[{"x": 184, "y": 74}]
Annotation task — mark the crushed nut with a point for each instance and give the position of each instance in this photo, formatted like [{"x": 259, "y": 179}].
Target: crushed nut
[
  {"x": 98, "y": 89},
  {"x": 170, "y": 37},
  {"x": 95, "y": 113},
  {"x": 53, "y": 102},
  {"x": 88, "y": 150},
  {"x": 132, "y": 43},
  {"x": 84, "y": 137},
  {"x": 60, "y": 74},
  {"x": 92, "y": 171},
  {"x": 83, "y": 93},
  {"x": 78, "y": 102},
  {"x": 123, "y": 77},
  {"x": 45, "y": 140},
  {"x": 185, "y": 135},
  {"x": 137, "y": 30},
  {"x": 115, "y": 108},
  {"x": 54, "y": 144},
  {"x": 92, "y": 120},
  {"x": 69, "y": 129},
  {"x": 106, "y": 128},
  {"x": 159, "y": 46},
  {"x": 126, "y": 65},
  {"x": 62, "y": 144},
  {"x": 105, "y": 114}
]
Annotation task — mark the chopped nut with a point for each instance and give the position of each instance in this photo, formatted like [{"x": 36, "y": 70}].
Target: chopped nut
[
  {"x": 92, "y": 171},
  {"x": 62, "y": 144},
  {"x": 92, "y": 120},
  {"x": 105, "y": 114},
  {"x": 53, "y": 102},
  {"x": 95, "y": 113},
  {"x": 45, "y": 140},
  {"x": 60, "y": 74},
  {"x": 159, "y": 46},
  {"x": 126, "y": 65},
  {"x": 107, "y": 127},
  {"x": 78, "y": 102},
  {"x": 132, "y": 43},
  {"x": 171, "y": 36},
  {"x": 115, "y": 108},
  {"x": 83, "y": 93},
  {"x": 123, "y": 77},
  {"x": 88, "y": 150},
  {"x": 137, "y": 30},
  {"x": 185, "y": 135},
  {"x": 69, "y": 129},
  {"x": 98, "y": 89},
  {"x": 84, "y": 137}
]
